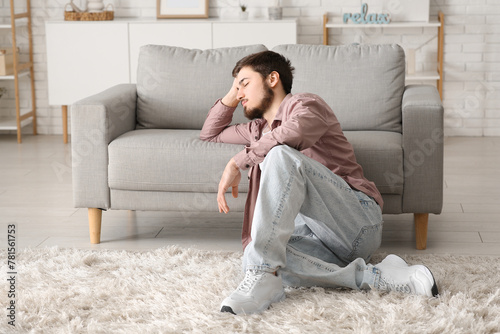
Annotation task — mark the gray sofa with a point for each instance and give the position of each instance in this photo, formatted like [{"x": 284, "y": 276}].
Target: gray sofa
[{"x": 137, "y": 146}]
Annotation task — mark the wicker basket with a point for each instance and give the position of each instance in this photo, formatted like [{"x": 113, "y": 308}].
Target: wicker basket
[{"x": 106, "y": 15}]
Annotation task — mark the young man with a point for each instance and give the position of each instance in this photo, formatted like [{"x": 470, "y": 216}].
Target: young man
[{"x": 311, "y": 217}]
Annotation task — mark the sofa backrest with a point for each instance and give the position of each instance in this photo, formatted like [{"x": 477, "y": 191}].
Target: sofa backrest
[
  {"x": 176, "y": 87},
  {"x": 363, "y": 84}
]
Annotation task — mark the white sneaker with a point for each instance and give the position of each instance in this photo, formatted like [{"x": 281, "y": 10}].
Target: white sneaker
[
  {"x": 397, "y": 275},
  {"x": 255, "y": 294}
]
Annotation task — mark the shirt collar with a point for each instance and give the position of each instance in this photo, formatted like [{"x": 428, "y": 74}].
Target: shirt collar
[{"x": 279, "y": 114}]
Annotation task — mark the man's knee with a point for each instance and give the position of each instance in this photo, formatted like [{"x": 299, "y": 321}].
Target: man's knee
[
  {"x": 281, "y": 151},
  {"x": 279, "y": 154}
]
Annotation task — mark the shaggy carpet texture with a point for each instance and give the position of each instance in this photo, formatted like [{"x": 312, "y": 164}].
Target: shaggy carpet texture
[{"x": 177, "y": 290}]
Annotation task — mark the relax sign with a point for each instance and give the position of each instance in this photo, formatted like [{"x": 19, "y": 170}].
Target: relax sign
[{"x": 365, "y": 18}]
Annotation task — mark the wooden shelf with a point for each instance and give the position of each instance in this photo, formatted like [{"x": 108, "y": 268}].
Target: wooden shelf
[
  {"x": 438, "y": 23},
  {"x": 423, "y": 76},
  {"x": 12, "y": 77},
  {"x": 8, "y": 25},
  {"x": 10, "y": 123},
  {"x": 20, "y": 70},
  {"x": 340, "y": 24}
]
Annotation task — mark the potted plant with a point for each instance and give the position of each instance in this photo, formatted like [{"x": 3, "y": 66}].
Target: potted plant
[{"x": 243, "y": 12}]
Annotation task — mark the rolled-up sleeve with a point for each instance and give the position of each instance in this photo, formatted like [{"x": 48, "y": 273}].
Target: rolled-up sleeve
[
  {"x": 304, "y": 122},
  {"x": 217, "y": 129}
]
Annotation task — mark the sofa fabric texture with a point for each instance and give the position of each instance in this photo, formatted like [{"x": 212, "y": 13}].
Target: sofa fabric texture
[
  {"x": 137, "y": 146},
  {"x": 176, "y": 86},
  {"x": 355, "y": 81},
  {"x": 169, "y": 160}
]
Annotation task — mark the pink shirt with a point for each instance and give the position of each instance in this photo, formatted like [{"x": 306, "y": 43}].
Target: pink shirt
[{"x": 304, "y": 122}]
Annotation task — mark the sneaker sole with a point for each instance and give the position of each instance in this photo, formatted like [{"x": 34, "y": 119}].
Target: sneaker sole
[
  {"x": 434, "y": 289},
  {"x": 227, "y": 309},
  {"x": 426, "y": 271},
  {"x": 277, "y": 299}
]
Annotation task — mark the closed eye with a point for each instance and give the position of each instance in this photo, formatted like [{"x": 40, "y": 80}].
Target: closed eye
[{"x": 241, "y": 83}]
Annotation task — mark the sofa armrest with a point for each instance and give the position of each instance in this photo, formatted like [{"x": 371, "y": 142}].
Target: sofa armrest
[
  {"x": 422, "y": 117},
  {"x": 95, "y": 122}
]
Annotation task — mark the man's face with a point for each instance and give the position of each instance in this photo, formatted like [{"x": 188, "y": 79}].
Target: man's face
[{"x": 254, "y": 93}]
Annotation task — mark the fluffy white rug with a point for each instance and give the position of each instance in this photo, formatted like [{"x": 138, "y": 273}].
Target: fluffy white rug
[{"x": 176, "y": 290}]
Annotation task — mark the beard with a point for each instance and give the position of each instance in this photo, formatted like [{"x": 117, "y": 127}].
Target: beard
[{"x": 265, "y": 103}]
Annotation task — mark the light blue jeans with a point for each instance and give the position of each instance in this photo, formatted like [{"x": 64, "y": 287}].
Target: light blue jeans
[{"x": 310, "y": 226}]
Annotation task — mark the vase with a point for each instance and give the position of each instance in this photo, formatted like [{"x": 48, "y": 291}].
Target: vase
[
  {"x": 95, "y": 6},
  {"x": 243, "y": 15},
  {"x": 275, "y": 13}
]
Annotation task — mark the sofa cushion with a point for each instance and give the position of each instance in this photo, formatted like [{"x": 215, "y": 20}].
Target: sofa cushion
[
  {"x": 176, "y": 87},
  {"x": 157, "y": 160},
  {"x": 168, "y": 160},
  {"x": 380, "y": 153},
  {"x": 363, "y": 84}
]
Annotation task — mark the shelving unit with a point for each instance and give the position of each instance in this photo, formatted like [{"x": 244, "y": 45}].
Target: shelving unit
[
  {"x": 20, "y": 70},
  {"x": 418, "y": 76}
]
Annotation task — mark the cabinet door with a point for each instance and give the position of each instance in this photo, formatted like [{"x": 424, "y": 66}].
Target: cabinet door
[
  {"x": 227, "y": 34},
  {"x": 85, "y": 58},
  {"x": 190, "y": 34}
]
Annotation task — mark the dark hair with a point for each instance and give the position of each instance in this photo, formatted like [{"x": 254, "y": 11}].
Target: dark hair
[{"x": 266, "y": 62}]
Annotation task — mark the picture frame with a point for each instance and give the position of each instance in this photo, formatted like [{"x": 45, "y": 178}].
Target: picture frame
[{"x": 182, "y": 9}]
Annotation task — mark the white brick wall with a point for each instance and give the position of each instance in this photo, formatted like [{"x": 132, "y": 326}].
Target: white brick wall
[{"x": 471, "y": 55}]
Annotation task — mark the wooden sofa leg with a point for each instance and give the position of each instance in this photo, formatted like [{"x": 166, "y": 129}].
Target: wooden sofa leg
[
  {"x": 95, "y": 217},
  {"x": 421, "y": 223}
]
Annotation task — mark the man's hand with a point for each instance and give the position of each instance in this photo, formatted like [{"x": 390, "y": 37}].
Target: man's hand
[
  {"x": 231, "y": 98},
  {"x": 231, "y": 177}
]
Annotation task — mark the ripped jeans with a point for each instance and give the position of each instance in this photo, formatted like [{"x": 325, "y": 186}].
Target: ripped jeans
[{"x": 310, "y": 226}]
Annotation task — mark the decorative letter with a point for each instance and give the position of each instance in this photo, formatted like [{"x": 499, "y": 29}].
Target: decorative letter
[
  {"x": 364, "y": 17},
  {"x": 384, "y": 18},
  {"x": 364, "y": 11},
  {"x": 356, "y": 18},
  {"x": 347, "y": 16}
]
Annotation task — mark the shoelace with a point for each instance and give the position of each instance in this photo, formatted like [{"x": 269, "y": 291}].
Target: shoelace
[
  {"x": 251, "y": 277},
  {"x": 391, "y": 286}
]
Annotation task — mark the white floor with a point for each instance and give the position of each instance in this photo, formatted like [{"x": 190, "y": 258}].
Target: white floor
[{"x": 36, "y": 196}]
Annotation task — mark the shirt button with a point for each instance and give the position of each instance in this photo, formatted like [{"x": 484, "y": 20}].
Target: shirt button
[
  {"x": 247, "y": 165},
  {"x": 256, "y": 137}
]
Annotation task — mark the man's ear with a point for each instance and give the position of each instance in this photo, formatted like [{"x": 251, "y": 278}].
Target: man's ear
[{"x": 273, "y": 78}]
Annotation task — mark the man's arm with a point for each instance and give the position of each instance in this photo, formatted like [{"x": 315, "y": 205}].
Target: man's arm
[
  {"x": 231, "y": 177},
  {"x": 216, "y": 127},
  {"x": 231, "y": 98},
  {"x": 309, "y": 119}
]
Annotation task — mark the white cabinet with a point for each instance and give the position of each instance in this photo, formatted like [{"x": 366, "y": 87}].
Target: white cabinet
[
  {"x": 268, "y": 33},
  {"x": 192, "y": 35},
  {"x": 84, "y": 59}
]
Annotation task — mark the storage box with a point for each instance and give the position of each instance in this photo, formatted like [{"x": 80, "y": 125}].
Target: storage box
[{"x": 7, "y": 61}]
